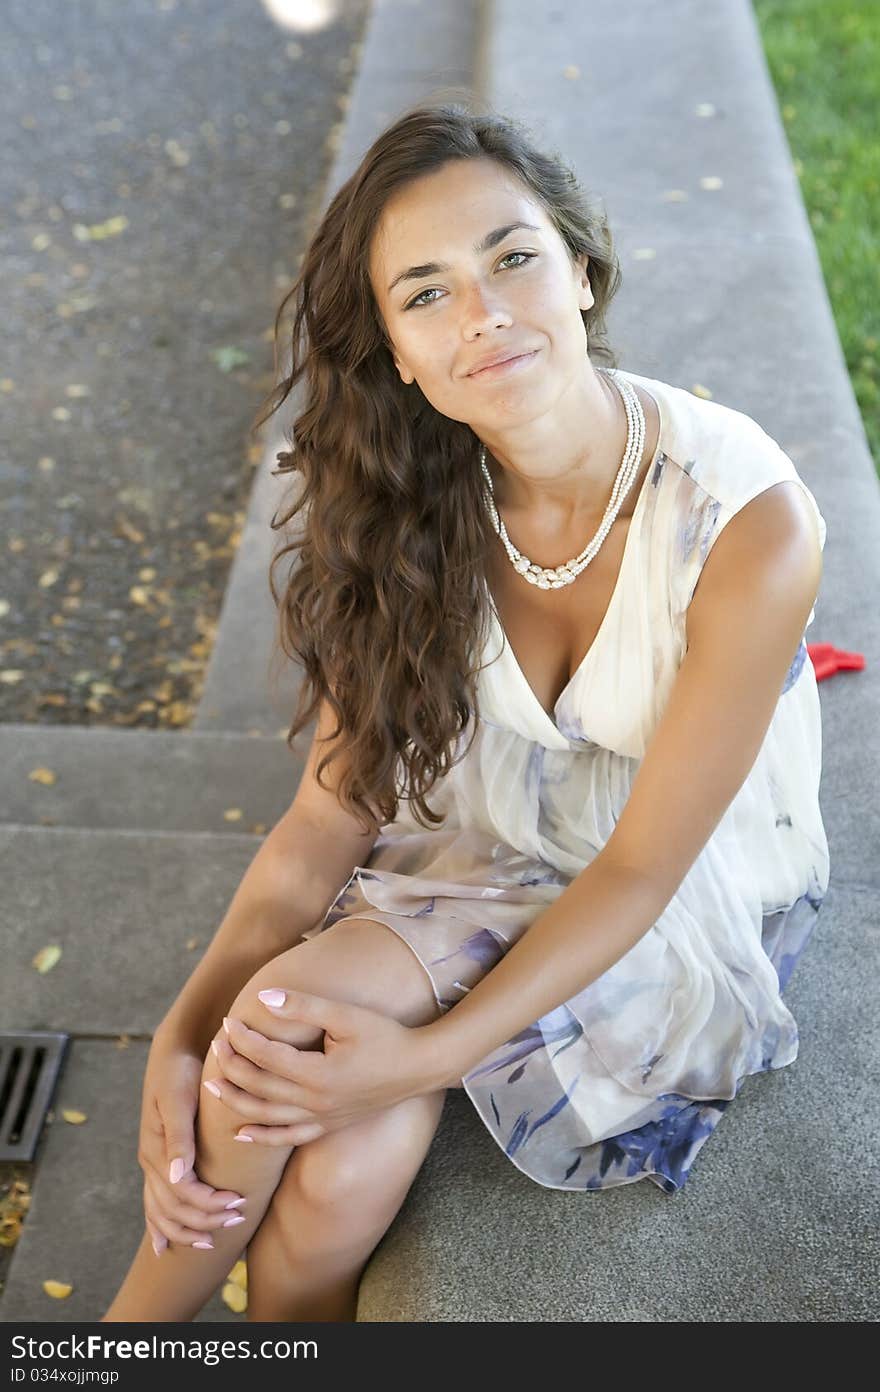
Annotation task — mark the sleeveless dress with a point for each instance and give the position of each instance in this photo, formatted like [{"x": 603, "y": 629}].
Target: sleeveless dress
[{"x": 628, "y": 1078}]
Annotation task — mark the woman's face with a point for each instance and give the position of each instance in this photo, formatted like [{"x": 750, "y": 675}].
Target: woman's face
[{"x": 457, "y": 304}]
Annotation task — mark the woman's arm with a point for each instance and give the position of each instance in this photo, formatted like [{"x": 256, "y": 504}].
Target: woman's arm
[
  {"x": 603, "y": 912},
  {"x": 291, "y": 882},
  {"x": 288, "y": 887}
]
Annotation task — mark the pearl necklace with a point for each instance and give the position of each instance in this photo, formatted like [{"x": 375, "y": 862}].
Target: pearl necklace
[{"x": 552, "y": 578}]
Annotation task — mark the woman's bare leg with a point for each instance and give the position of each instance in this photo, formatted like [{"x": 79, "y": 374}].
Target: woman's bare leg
[
  {"x": 337, "y": 1198},
  {"x": 356, "y": 960},
  {"x": 175, "y": 1285}
]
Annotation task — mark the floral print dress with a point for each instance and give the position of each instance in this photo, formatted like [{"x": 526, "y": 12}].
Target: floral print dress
[{"x": 628, "y": 1078}]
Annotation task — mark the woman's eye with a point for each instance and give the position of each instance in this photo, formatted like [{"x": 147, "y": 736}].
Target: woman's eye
[{"x": 419, "y": 300}]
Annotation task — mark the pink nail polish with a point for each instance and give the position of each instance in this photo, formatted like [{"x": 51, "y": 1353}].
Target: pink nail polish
[
  {"x": 158, "y": 1247},
  {"x": 226, "y": 1023},
  {"x": 235, "y": 1203},
  {"x": 214, "y": 1048},
  {"x": 244, "y": 1138},
  {"x": 177, "y": 1170},
  {"x": 274, "y": 996},
  {"x": 230, "y": 1222},
  {"x": 212, "y": 1087},
  {"x": 205, "y": 1246}
]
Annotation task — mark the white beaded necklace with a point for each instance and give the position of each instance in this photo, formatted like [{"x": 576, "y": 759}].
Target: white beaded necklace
[{"x": 552, "y": 578}]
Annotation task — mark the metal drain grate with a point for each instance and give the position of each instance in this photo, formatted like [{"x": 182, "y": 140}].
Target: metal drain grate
[{"x": 30, "y": 1061}]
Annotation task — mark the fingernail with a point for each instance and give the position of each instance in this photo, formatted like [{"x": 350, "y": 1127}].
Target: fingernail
[
  {"x": 235, "y": 1203},
  {"x": 205, "y": 1246},
  {"x": 215, "y": 1048},
  {"x": 272, "y": 996},
  {"x": 159, "y": 1247},
  {"x": 230, "y": 1222},
  {"x": 212, "y": 1087},
  {"x": 177, "y": 1171},
  {"x": 226, "y": 1023},
  {"x": 243, "y": 1138}
]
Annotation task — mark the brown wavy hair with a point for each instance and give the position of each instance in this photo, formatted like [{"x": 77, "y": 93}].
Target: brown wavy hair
[{"x": 384, "y": 600}]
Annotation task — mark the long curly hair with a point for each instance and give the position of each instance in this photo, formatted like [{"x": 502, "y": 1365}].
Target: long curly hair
[{"x": 384, "y": 600}]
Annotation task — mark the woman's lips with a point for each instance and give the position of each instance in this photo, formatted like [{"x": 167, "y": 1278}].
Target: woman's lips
[{"x": 501, "y": 369}]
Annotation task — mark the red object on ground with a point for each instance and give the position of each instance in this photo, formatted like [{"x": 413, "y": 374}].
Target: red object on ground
[{"x": 827, "y": 660}]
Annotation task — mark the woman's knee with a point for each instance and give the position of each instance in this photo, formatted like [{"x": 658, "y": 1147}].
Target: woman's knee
[
  {"x": 359, "y": 961},
  {"x": 368, "y": 1164},
  {"x": 247, "y": 1006}
]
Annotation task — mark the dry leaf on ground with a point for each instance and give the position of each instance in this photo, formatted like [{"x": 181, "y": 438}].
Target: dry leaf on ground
[
  {"x": 47, "y": 957},
  {"x": 235, "y": 1297},
  {"x": 59, "y": 1290},
  {"x": 42, "y": 775}
]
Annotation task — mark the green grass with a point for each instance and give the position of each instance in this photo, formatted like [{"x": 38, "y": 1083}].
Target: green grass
[{"x": 824, "y": 58}]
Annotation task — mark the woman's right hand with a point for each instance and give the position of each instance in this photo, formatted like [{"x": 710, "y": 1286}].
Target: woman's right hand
[{"x": 186, "y": 1211}]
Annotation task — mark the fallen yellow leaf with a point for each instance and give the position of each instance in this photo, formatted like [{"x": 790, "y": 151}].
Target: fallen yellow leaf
[
  {"x": 42, "y": 775},
  {"x": 128, "y": 530},
  {"x": 98, "y": 231},
  {"x": 235, "y": 1297},
  {"x": 59, "y": 1290},
  {"x": 14, "y": 1204},
  {"x": 77, "y": 1118},
  {"x": 47, "y": 957},
  {"x": 178, "y": 713},
  {"x": 176, "y": 153}
]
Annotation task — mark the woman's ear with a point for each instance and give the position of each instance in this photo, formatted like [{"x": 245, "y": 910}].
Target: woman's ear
[
  {"x": 405, "y": 375},
  {"x": 586, "y": 298}
]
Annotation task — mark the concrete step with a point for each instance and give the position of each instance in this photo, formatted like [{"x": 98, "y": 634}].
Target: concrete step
[
  {"x": 132, "y": 911},
  {"x": 222, "y": 782}
]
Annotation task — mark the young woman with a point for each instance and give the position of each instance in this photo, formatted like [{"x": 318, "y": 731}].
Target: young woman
[{"x": 569, "y": 603}]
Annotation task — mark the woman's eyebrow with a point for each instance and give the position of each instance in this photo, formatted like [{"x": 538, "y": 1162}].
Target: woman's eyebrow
[{"x": 490, "y": 240}]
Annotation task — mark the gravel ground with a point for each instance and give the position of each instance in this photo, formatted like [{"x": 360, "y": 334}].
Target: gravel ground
[{"x": 162, "y": 161}]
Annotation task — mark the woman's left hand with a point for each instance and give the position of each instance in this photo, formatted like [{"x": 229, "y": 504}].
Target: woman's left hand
[{"x": 289, "y": 1096}]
